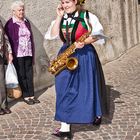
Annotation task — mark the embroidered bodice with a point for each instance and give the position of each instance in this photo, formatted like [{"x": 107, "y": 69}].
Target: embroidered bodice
[
  {"x": 76, "y": 27},
  {"x": 73, "y": 26}
]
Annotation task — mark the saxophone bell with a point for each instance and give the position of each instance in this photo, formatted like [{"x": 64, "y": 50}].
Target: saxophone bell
[{"x": 71, "y": 63}]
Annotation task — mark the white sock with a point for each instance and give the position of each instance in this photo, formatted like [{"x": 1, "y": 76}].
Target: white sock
[{"x": 64, "y": 127}]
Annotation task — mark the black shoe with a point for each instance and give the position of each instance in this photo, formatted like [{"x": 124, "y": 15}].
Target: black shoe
[
  {"x": 6, "y": 110},
  {"x": 97, "y": 121},
  {"x": 62, "y": 134},
  {"x": 2, "y": 112},
  {"x": 28, "y": 101},
  {"x": 35, "y": 100}
]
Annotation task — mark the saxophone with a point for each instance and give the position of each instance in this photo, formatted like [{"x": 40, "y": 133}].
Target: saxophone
[{"x": 64, "y": 60}]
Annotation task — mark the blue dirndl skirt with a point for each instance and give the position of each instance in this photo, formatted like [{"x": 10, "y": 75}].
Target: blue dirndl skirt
[{"x": 81, "y": 93}]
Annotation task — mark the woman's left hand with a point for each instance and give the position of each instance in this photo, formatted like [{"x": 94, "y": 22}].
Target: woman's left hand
[{"x": 79, "y": 45}]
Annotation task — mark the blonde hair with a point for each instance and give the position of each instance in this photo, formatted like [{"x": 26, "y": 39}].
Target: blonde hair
[{"x": 16, "y": 4}]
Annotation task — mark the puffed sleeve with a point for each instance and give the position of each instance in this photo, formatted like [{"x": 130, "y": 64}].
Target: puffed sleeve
[
  {"x": 95, "y": 23},
  {"x": 48, "y": 33},
  {"x": 97, "y": 28}
]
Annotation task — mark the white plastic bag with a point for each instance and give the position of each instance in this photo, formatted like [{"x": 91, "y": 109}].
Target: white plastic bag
[
  {"x": 12, "y": 84},
  {"x": 11, "y": 76}
]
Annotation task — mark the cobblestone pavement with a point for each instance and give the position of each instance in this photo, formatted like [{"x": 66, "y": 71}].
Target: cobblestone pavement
[{"x": 123, "y": 123}]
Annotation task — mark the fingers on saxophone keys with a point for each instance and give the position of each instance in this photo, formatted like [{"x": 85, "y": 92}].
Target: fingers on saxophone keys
[{"x": 79, "y": 44}]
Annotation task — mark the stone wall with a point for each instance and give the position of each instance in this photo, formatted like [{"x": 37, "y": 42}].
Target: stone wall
[
  {"x": 119, "y": 18},
  {"x": 121, "y": 22}
]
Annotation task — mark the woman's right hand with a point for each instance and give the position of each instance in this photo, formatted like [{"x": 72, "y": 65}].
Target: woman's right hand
[
  {"x": 10, "y": 58},
  {"x": 60, "y": 10},
  {"x": 79, "y": 45}
]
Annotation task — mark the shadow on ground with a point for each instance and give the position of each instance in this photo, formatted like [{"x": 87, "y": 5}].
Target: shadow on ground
[
  {"x": 13, "y": 102},
  {"x": 107, "y": 119}
]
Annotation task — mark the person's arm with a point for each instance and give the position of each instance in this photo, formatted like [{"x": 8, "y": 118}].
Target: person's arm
[
  {"x": 56, "y": 27},
  {"x": 7, "y": 44},
  {"x": 9, "y": 50},
  {"x": 90, "y": 40},
  {"x": 53, "y": 30}
]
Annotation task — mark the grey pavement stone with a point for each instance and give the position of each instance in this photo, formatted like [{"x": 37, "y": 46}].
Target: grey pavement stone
[{"x": 123, "y": 122}]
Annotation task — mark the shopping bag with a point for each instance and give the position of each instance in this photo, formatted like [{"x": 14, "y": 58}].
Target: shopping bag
[
  {"x": 11, "y": 76},
  {"x": 12, "y": 84}
]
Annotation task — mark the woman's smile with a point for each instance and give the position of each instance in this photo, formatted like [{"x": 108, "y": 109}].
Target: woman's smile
[{"x": 69, "y": 5}]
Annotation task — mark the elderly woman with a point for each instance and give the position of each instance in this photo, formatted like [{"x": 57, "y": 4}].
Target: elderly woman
[
  {"x": 5, "y": 52},
  {"x": 20, "y": 35},
  {"x": 81, "y": 93}
]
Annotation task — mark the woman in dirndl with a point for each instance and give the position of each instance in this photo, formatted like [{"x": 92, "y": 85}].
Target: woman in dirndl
[{"x": 81, "y": 93}]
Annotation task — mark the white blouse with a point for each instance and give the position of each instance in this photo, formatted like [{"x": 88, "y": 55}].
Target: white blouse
[{"x": 97, "y": 28}]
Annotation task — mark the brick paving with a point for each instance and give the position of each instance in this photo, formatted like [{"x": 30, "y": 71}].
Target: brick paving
[{"x": 123, "y": 123}]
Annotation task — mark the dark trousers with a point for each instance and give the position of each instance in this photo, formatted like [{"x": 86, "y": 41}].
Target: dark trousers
[
  {"x": 3, "y": 95},
  {"x": 24, "y": 68}
]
